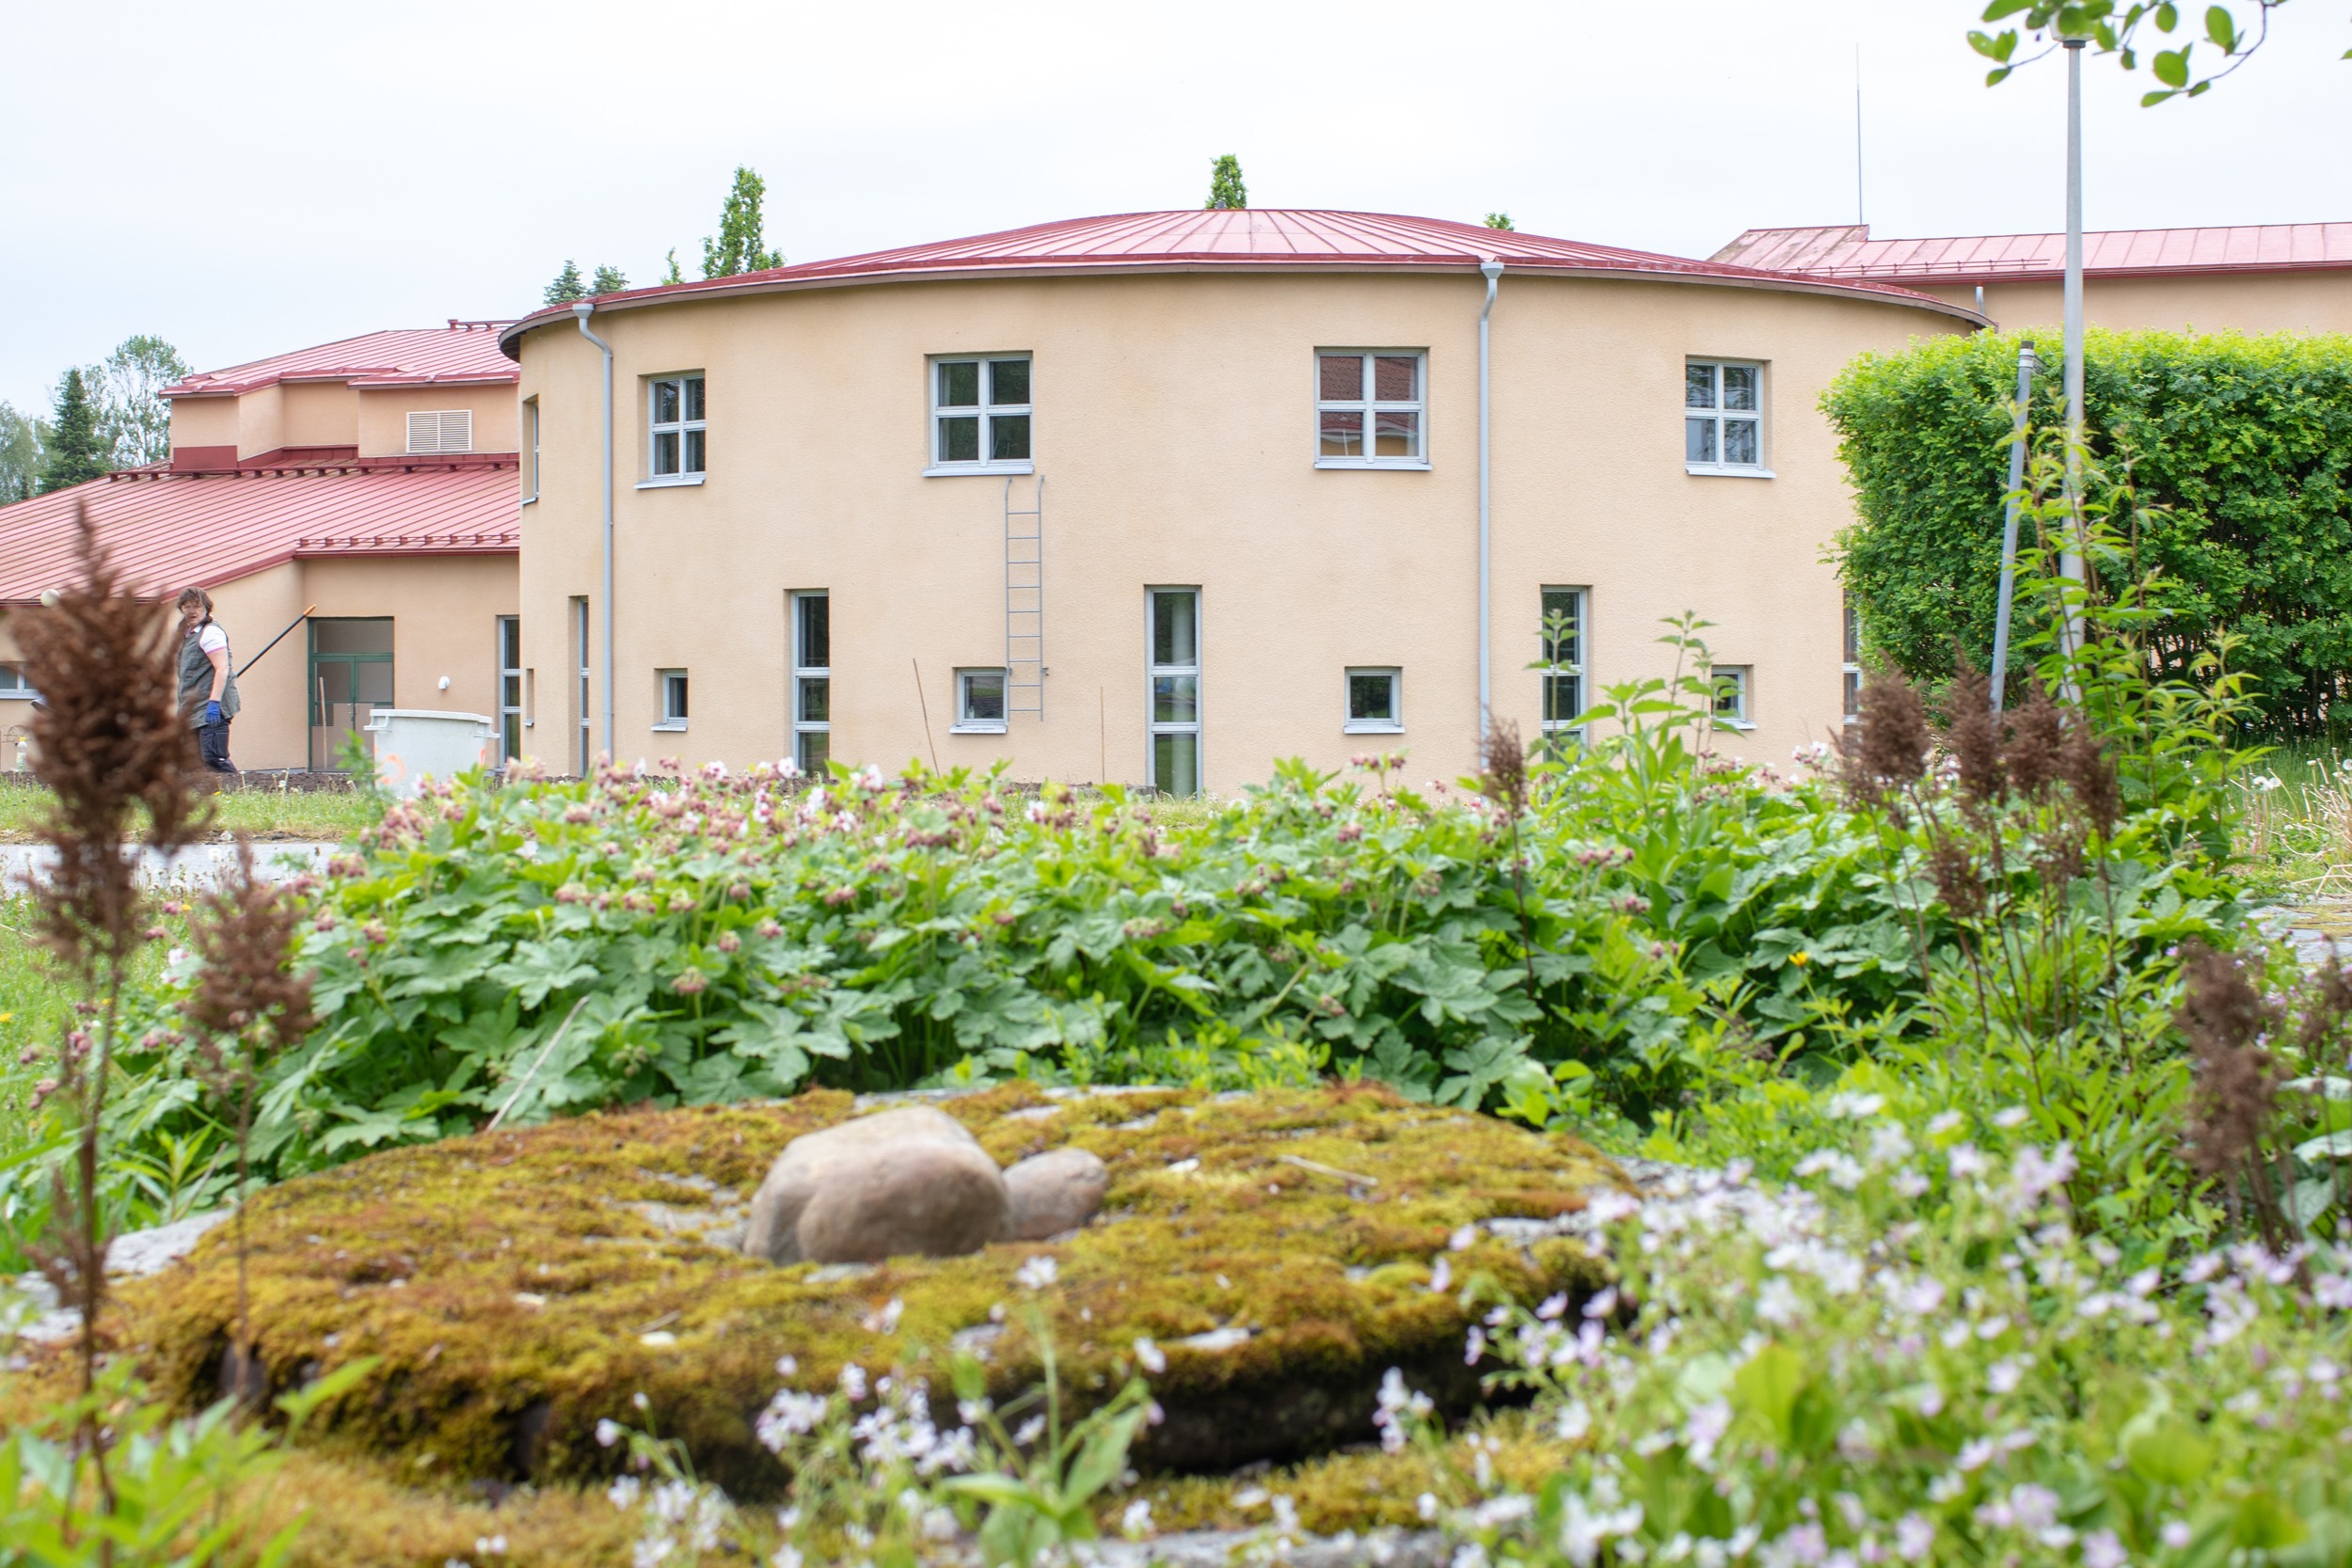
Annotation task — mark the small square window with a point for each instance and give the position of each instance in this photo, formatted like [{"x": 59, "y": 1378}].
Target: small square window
[
  {"x": 1375, "y": 702},
  {"x": 1723, "y": 416},
  {"x": 671, "y": 694},
  {"x": 979, "y": 702},
  {"x": 1732, "y": 683},
  {"x": 678, "y": 446},
  {"x": 13, "y": 682},
  {"x": 980, "y": 415},
  {"x": 1370, "y": 409}
]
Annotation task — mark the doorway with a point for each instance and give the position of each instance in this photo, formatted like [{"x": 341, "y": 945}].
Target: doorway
[{"x": 351, "y": 677}]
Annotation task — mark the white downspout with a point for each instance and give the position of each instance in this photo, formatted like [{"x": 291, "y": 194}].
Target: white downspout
[
  {"x": 582, "y": 310},
  {"x": 1492, "y": 270}
]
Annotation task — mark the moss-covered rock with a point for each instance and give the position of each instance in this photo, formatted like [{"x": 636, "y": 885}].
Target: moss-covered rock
[{"x": 517, "y": 1286}]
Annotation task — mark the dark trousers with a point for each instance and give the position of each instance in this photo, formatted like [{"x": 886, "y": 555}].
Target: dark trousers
[{"x": 213, "y": 741}]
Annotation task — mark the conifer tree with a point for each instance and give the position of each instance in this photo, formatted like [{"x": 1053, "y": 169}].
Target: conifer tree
[
  {"x": 609, "y": 280},
  {"x": 567, "y": 286},
  {"x": 1226, "y": 190},
  {"x": 741, "y": 247},
  {"x": 76, "y": 453}
]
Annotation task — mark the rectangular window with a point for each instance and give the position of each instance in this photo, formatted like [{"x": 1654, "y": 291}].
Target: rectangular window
[
  {"x": 1369, "y": 409},
  {"x": 1173, "y": 697},
  {"x": 1732, "y": 683},
  {"x": 1563, "y": 636},
  {"x": 440, "y": 429},
  {"x": 669, "y": 699},
  {"x": 812, "y": 681},
  {"x": 1375, "y": 702},
  {"x": 675, "y": 415},
  {"x": 1723, "y": 416},
  {"x": 1853, "y": 663},
  {"x": 584, "y": 750},
  {"x": 980, "y": 415},
  {"x": 531, "y": 449},
  {"x": 510, "y": 642},
  {"x": 13, "y": 682},
  {"x": 979, "y": 702}
]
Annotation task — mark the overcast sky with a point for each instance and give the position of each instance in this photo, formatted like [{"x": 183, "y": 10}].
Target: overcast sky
[{"x": 243, "y": 179}]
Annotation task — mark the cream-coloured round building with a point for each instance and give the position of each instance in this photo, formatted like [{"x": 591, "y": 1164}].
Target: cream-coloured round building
[{"x": 1162, "y": 499}]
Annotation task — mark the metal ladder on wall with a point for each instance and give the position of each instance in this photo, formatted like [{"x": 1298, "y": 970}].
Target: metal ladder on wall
[{"x": 1024, "y": 604}]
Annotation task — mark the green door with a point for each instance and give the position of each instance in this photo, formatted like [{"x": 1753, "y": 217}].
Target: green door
[{"x": 351, "y": 677}]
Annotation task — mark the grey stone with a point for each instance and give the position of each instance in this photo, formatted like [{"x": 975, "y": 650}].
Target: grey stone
[
  {"x": 1053, "y": 1193},
  {"x": 932, "y": 1199},
  {"x": 811, "y": 1161}
]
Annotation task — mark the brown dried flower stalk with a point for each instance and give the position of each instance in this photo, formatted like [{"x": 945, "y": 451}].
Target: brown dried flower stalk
[
  {"x": 2036, "y": 736},
  {"x": 111, "y": 740},
  {"x": 247, "y": 1003},
  {"x": 1886, "y": 752},
  {"x": 1503, "y": 779},
  {"x": 1974, "y": 738},
  {"x": 2226, "y": 1018}
]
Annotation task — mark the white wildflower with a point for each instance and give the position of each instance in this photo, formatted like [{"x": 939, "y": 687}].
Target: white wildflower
[
  {"x": 1037, "y": 1273},
  {"x": 1148, "y": 1356}
]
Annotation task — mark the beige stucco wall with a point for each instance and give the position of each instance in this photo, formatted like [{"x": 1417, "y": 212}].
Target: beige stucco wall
[
  {"x": 383, "y": 425},
  {"x": 333, "y": 414},
  {"x": 2236, "y": 302},
  {"x": 1174, "y": 428}
]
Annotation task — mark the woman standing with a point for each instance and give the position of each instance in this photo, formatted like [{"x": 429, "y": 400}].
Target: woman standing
[{"x": 208, "y": 689}]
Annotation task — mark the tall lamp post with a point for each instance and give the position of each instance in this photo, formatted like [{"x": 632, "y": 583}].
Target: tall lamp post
[{"x": 2070, "y": 527}]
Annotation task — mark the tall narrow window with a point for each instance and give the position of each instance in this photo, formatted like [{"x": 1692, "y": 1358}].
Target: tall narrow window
[
  {"x": 1853, "y": 663},
  {"x": 669, "y": 695},
  {"x": 812, "y": 681},
  {"x": 679, "y": 441},
  {"x": 980, "y": 413},
  {"x": 1369, "y": 409},
  {"x": 1563, "y": 636},
  {"x": 1723, "y": 416},
  {"x": 531, "y": 448},
  {"x": 584, "y": 750},
  {"x": 510, "y": 688},
  {"x": 1174, "y": 695}
]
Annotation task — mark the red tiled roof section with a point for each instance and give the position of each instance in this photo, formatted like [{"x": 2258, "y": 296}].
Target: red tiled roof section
[
  {"x": 1246, "y": 239},
  {"x": 1847, "y": 251},
  {"x": 168, "y": 530},
  {"x": 459, "y": 353}
]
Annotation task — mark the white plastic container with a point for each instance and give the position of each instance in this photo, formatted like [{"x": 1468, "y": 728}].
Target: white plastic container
[{"x": 413, "y": 744}]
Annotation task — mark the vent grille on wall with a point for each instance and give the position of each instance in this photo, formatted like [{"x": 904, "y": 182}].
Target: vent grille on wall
[{"x": 441, "y": 430}]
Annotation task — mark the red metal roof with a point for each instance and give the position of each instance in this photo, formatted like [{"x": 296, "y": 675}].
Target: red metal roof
[
  {"x": 1247, "y": 239},
  {"x": 428, "y": 356},
  {"x": 1847, "y": 251},
  {"x": 170, "y": 530}
]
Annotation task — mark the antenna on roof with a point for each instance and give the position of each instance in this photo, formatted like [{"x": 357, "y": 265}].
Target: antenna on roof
[{"x": 1857, "y": 137}]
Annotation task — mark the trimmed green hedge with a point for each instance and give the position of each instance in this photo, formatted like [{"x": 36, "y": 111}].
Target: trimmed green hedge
[{"x": 2245, "y": 444}]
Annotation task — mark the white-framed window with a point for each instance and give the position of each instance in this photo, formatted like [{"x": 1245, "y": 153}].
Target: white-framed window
[
  {"x": 13, "y": 682},
  {"x": 812, "y": 680},
  {"x": 670, "y": 699},
  {"x": 440, "y": 429},
  {"x": 678, "y": 440},
  {"x": 530, "y": 450},
  {"x": 1370, "y": 408},
  {"x": 980, "y": 413},
  {"x": 1723, "y": 416},
  {"x": 1853, "y": 663},
  {"x": 1734, "y": 684},
  {"x": 979, "y": 702},
  {"x": 584, "y": 750},
  {"x": 1376, "y": 700},
  {"x": 1172, "y": 690},
  {"x": 510, "y": 655},
  {"x": 1563, "y": 633}
]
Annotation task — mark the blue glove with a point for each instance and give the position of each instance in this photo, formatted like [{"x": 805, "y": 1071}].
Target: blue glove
[{"x": 212, "y": 713}]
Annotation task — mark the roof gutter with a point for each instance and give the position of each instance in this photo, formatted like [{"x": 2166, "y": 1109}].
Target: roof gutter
[
  {"x": 580, "y": 311},
  {"x": 1491, "y": 269}
]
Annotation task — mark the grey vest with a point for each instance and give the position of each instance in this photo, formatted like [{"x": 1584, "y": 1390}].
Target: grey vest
[{"x": 196, "y": 680}]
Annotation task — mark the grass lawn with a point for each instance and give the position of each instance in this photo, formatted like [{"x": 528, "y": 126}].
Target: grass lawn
[{"x": 266, "y": 814}]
